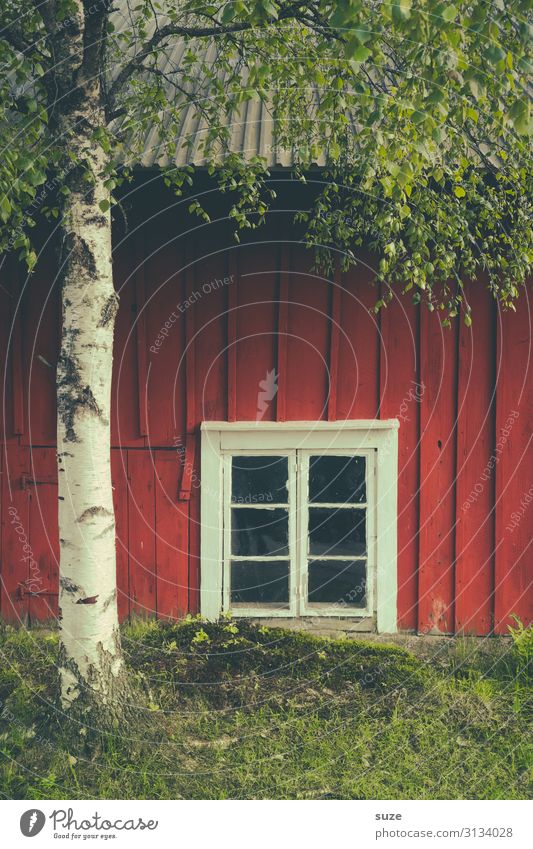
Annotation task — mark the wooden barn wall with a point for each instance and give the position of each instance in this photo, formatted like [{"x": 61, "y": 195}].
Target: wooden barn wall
[{"x": 233, "y": 314}]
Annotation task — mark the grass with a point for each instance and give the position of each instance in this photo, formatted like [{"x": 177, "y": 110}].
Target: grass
[{"x": 235, "y": 710}]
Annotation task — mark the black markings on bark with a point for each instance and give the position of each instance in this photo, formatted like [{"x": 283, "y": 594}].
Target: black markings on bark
[
  {"x": 109, "y": 311},
  {"x": 102, "y": 698},
  {"x": 72, "y": 396},
  {"x": 109, "y": 600},
  {"x": 93, "y": 511},
  {"x": 97, "y": 220},
  {"x": 108, "y": 529},
  {"x": 89, "y": 600},
  {"x": 69, "y": 586},
  {"x": 80, "y": 255}
]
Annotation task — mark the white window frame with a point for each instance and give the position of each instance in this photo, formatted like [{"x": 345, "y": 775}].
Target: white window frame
[{"x": 376, "y": 439}]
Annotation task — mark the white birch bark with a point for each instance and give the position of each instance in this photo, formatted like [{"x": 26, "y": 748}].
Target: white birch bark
[{"x": 91, "y": 666}]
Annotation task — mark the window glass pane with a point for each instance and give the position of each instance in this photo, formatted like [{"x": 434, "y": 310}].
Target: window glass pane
[
  {"x": 337, "y": 531},
  {"x": 259, "y": 531},
  {"x": 258, "y": 480},
  {"x": 337, "y": 480},
  {"x": 260, "y": 583},
  {"x": 339, "y": 582}
]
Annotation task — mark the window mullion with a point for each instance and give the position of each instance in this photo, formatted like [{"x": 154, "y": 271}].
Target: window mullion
[
  {"x": 293, "y": 533},
  {"x": 302, "y": 516}
]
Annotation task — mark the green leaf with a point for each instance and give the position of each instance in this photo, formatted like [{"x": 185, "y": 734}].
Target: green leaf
[
  {"x": 401, "y": 10},
  {"x": 229, "y": 12},
  {"x": 519, "y": 114},
  {"x": 418, "y": 117},
  {"x": 334, "y": 150},
  {"x": 5, "y": 208},
  {"x": 495, "y": 54},
  {"x": 357, "y": 52},
  {"x": 104, "y": 205},
  {"x": 36, "y": 177},
  {"x": 449, "y": 13},
  {"x": 361, "y": 34},
  {"x": 459, "y": 192}
]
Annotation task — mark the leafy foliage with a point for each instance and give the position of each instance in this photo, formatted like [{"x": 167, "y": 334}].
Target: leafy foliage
[{"x": 418, "y": 111}]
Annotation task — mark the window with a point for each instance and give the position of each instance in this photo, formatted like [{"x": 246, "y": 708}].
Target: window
[{"x": 299, "y": 519}]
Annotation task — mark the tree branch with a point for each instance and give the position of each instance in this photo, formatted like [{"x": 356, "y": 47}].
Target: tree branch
[{"x": 298, "y": 11}]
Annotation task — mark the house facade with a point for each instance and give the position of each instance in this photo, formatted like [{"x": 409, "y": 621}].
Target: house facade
[{"x": 279, "y": 449}]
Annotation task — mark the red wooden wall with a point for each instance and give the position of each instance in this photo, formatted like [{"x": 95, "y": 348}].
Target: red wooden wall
[{"x": 463, "y": 398}]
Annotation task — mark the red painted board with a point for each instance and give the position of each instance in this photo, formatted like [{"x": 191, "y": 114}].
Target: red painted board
[
  {"x": 6, "y": 417},
  {"x": 172, "y": 539},
  {"x": 257, "y": 339},
  {"x": 211, "y": 279},
  {"x": 334, "y": 342},
  {"x": 476, "y": 466},
  {"x": 166, "y": 318},
  {"x": 308, "y": 329},
  {"x": 280, "y": 377},
  {"x": 514, "y": 478},
  {"x": 401, "y": 394},
  {"x": 143, "y": 573},
  {"x": 40, "y": 351},
  {"x": 42, "y": 489},
  {"x": 143, "y": 395},
  {"x": 190, "y": 351},
  {"x": 16, "y": 538},
  {"x": 194, "y": 537},
  {"x": 17, "y": 367},
  {"x": 119, "y": 477},
  {"x": 358, "y": 376},
  {"x": 232, "y": 304},
  {"x": 438, "y": 377},
  {"x": 124, "y": 393}
]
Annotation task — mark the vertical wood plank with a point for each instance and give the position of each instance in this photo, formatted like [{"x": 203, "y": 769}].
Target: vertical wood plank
[
  {"x": 335, "y": 330},
  {"x": 257, "y": 332},
  {"x": 6, "y": 371},
  {"x": 306, "y": 386},
  {"x": 16, "y": 357},
  {"x": 125, "y": 383},
  {"x": 192, "y": 417},
  {"x": 15, "y": 533},
  {"x": 437, "y": 474},
  {"x": 44, "y": 535},
  {"x": 358, "y": 377},
  {"x": 165, "y": 328},
  {"x": 283, "y": 317},
  {"x": 190, "y": 349},
  {"x": 142, "y": 534},
  {"x": 39, "y": 356},
  {"x": 194, "y": 538},
  {"x": 140, "y": 331},
  {"x": 474, "y": 567},
  {"x": 119, "y": 476},
  {"x": 211, "y": 334},
  {"x": 231, "y": 353},
  {"x": 172, "y": 539},
  {"x": 400, "y": 394},
  {"x": 514, "y": 484}
]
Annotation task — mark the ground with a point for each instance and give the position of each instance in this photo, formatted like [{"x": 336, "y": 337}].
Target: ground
[{"x": 235, "y": 710}]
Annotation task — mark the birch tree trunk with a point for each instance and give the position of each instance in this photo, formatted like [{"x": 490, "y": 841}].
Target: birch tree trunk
[{"x": 91, "y": 667}]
